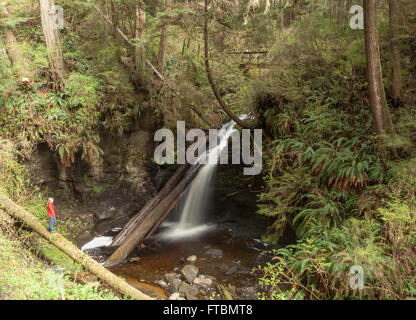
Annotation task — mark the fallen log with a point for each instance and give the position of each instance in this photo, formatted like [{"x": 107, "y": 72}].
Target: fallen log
[
  {"x": 71, "y": 250},
  {"x": 149, "y": 223},
  {"x": 136, "y": 220}
]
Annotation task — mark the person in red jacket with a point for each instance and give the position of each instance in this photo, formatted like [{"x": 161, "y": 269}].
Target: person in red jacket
[{"x": 51, "y": 215}]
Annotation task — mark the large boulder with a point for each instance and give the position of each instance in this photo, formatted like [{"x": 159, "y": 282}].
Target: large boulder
[{"x": 190, "y": 272}]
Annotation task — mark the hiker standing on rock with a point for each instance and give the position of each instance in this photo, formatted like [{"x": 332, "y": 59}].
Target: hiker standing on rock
[{"x": 51, "y": 215}]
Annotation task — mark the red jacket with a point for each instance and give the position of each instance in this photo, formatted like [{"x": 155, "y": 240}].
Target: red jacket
[{"x": 51, "y": 210}]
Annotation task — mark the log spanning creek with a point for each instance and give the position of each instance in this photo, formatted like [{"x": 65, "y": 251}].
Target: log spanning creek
[{"x": 192, "y": 254}]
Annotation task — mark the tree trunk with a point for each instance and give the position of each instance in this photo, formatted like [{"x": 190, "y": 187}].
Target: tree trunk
[
  {"x": 139, "y": 28},
  {"x": 52, "y": 40},
  {"x": 241, "y": 123},
  {"x": 377, "y": 94},
  {"x": 154, "y": 217},
  {"x": 71, "y": 250},
  {"x": 19, "y": 60},
  {"x": 152, "y": 203},
  {"x": 395, "y": 49},
  {"x": 163, "y": 46}
]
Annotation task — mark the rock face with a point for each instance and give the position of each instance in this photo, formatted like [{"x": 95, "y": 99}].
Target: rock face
[
  {"x": 190, "y": 272},
  {"x": 103, "y": 190}
]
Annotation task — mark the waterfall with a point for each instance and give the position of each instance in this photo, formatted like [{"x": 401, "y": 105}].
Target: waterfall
[{"x": 194, "y": 203}]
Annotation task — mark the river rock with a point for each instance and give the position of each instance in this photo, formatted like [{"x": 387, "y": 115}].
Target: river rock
[
  {"x": 192, "y": 258},
  {"x": 190, "y": 272},
  {"x": 202, "y": 281},
  {"x": 206, "y": 282},
  {"x": 169, "y": 277},
  {"x": 174, "y": 285},
  {"x": 217, "y": 253},
  {"x": 174, "y": 296},
  {"x": 161, "y": 283},
  {"x": 190, "y": 292},
  {"x": 135, "y": 259},
  {"x": 232, "y": 270}
]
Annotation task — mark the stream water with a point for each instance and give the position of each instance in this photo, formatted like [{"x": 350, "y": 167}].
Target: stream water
[{"x": 225, "y": 250}]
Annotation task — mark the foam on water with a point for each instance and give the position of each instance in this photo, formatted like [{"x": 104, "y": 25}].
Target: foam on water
[{"x": 97, "y": 242}]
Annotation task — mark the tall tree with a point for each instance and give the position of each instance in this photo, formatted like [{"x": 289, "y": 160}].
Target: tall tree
[
  {"x": 164, "y": 37},
  {"x": 395, "y": 49},
  {"x": 139, "y": 28},
  {"x": 53, "y": 42},
  {"x": 377, "y": 94}
]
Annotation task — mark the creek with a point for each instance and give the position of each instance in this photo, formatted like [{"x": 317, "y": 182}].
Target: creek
[{"x": 224, "y": 244}]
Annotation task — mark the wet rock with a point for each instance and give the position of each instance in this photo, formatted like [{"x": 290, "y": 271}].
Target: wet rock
[
  {"x": 135, "y": 259},
  {"x": 190, "y": 292},
  {"x": 245, "y": 272},
  {"x": 217, "y": 253},
  {"x": 161, "y": 283},
  {"x": 206, "y": 282},
  {"x": 174, "y": 285},
  {"x": 190, "y": 272},
  {"x": 232, "y": 270},
  {"x": 174, "y": 296},
  {"x": 169, "y": 277},
  {"x": 202, "y": 281},
  {"x": 192, "y": 258}
]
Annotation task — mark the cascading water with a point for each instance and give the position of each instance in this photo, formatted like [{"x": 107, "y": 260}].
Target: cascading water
[{"x": 194, "y": 204}]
